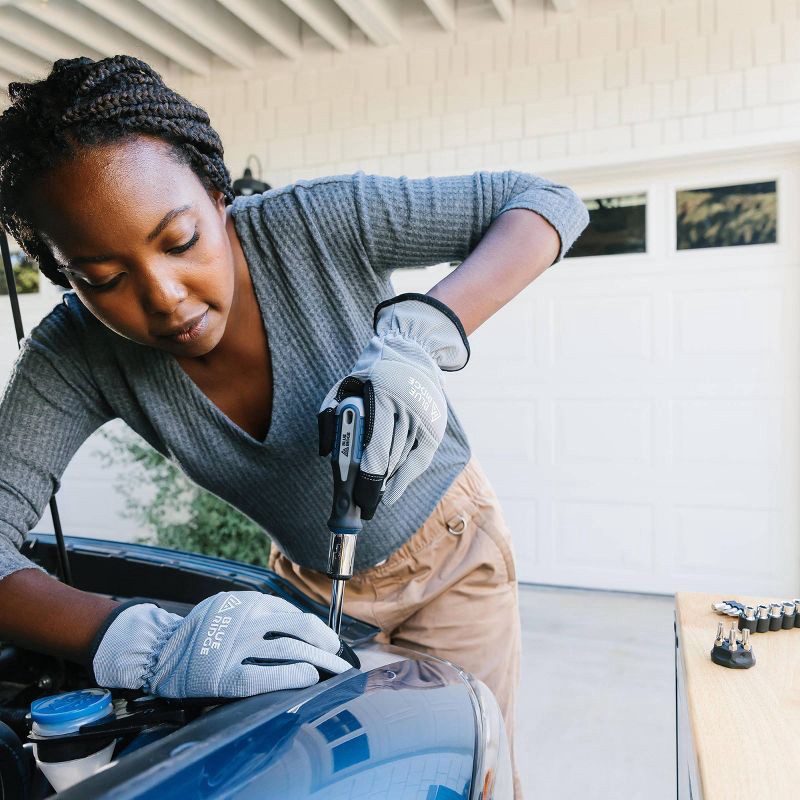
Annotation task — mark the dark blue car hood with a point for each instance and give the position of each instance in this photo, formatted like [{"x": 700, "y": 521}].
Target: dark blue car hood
[{"x": 402, "y": 727}]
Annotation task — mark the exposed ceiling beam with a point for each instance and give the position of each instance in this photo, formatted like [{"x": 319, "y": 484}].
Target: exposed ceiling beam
[
  {"x": 6, "y": 77},
  {"x": 212, "y": 26},
  {"x": 444, "y": 12},
  {"x": 272, "y": 21},
  {"x": 21, "y": 62},
  {"x": 42, "y": 40},
  {"x": 376, "y": 18},
  {"x": 504, "y": 8},
  {"x": 89, "y": 29},
  {"x": 325, "y": 19},
  {"x": 149, "y": 27},
  {"x": 563, "y": 5}
]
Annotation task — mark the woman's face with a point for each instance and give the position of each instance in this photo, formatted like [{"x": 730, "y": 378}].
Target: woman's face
[{"x": 142, "y": 242}]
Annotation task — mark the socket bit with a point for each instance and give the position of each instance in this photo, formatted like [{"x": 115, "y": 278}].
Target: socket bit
[
  {"x": 775, "y": 616},
  {"x": 720, "y": 634},
  {"x": 762, "y": 624},
  {"x": 788, "y": 615},
  {"x": 748, "y": 620},
  {"x": 797, "y": 613},
  {"x": 746, "y": 640},
  {"x": 732, "y": 643}
]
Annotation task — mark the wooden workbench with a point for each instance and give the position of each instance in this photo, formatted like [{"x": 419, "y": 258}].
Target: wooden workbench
[{"x": 738, "y": 730}]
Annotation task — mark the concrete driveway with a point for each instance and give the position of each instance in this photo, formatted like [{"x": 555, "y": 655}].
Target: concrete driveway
[{"x": 596, "y": 712}]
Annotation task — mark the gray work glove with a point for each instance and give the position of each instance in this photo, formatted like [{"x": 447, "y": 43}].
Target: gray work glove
[
  {"x": 399, "y": 375},
  {"x": 232, "y": 644}
]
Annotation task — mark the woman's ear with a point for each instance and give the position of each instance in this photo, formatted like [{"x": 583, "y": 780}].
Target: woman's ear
[{"x": 218, "y": 198}]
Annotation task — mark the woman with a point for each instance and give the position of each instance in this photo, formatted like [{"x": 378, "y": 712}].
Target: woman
[{"x": 219, "y": 331}]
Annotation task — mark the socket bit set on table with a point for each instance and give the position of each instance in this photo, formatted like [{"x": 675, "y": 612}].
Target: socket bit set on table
[{"x": 736, "y": 652}]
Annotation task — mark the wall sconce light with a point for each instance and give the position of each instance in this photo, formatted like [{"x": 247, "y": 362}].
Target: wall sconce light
[{"x": 247, "y": 184}]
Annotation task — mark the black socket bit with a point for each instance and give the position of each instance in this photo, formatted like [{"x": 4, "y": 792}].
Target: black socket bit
[
  {"x": 797, "y": 613},
  {"x": 748, "y": 621},
  {"x": 762, "y": 619},
  {"x": 788, "y": 615},
  {"x": 775, "y": 616}
]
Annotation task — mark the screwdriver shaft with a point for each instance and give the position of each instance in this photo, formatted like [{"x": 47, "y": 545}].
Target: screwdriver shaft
[{"x": 335, "y": 613}]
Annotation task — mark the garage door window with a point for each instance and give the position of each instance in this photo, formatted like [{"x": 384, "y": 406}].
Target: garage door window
[
  {"x": 726, "y": 216},
  {"x": 616, "y": 225}
]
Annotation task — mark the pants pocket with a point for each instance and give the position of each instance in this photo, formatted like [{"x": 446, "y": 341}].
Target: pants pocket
[{"x": 491, "y": 523}]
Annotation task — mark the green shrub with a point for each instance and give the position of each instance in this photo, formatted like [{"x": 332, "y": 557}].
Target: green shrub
[
  {"x": 178, "y": 513},
  {"x": 26, "y": 274}
]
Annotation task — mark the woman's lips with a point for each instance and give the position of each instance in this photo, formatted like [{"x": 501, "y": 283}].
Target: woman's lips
[{"x": 195, "y": 330}]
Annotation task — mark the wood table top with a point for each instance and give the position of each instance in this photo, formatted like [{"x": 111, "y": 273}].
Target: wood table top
[{"x": 745, "y": 723}]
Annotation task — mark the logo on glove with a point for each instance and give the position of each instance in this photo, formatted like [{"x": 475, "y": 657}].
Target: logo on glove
[
  {"x": 231, "y": 601},
  {"x": 424, "y": 398}
]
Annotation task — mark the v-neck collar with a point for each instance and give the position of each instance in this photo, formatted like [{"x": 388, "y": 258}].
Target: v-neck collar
[{"x": 267, "y": 308}]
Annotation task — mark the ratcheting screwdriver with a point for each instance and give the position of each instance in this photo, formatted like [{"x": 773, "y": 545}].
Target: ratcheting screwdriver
[{"x": 344, "y": 522}]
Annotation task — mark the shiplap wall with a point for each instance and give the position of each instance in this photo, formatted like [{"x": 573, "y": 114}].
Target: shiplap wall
[{"x": 610, "y": 77}]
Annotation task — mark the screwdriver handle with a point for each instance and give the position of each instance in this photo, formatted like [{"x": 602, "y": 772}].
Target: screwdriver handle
[{"x": 345, "y": 515}]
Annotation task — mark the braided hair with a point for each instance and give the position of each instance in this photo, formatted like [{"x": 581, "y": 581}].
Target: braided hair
[{"x": 81, "y": 103}]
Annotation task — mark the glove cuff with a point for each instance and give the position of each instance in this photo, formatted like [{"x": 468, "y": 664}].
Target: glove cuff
[
  {"x": 428, "y": 322},
  {"x": 129, "y": 642}
]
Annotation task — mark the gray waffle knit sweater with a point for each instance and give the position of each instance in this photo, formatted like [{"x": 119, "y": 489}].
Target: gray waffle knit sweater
[{"x": 320, "y": 253}]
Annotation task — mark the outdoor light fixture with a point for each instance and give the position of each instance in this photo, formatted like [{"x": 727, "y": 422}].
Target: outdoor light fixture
[{"x": 247, "y": 184}]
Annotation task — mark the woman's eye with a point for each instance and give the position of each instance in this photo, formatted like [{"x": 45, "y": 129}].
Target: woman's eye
[
  {"x": 101, "y": 287},
  {"x": 182, "y": 248}
]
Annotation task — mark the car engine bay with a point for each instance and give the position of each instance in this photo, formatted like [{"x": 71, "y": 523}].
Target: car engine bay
[{"x": 115, "y": 570}]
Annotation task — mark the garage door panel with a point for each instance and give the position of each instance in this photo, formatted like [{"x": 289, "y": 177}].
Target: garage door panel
[
  {"x": 504, "y": 429},
  {"x": 728, "y": 321},
  {"x": 600, "y": 430},
  {"x": 603, "y": 535},
  {"x": 520, "y": 514},
  {"x": 728, "y": 430},
  {"x": 716, "y": 544},
  {"x": 516, "y": 324},
  {"x": 621, "y": 327}
]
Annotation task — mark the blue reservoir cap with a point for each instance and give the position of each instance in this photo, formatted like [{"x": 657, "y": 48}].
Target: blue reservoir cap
[{"x": 71, "y": 709}]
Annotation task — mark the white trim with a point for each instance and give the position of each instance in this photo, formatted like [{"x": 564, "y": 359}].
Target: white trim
[{"x": 704, "y": 153}]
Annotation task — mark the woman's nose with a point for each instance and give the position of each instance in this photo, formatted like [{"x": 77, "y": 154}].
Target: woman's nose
[{"x": 161, "y": 292}]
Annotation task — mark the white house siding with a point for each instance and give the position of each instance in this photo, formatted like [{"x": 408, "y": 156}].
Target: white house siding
[{"x": 615, "y": 96}]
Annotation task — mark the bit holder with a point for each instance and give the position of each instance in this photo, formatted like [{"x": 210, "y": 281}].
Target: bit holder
[{"x": 732, "y": 651}]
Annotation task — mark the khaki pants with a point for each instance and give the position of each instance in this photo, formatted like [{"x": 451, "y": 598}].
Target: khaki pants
[{"x": 450, "y": 590}]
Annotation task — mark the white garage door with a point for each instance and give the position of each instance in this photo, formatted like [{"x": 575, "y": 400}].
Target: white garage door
[{"x": 637, "y": 413}]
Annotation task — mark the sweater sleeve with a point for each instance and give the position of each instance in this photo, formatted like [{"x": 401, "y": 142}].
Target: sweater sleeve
[
  {"x": 418, "y": 222},
  {"x": 49, "y": 407}
]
